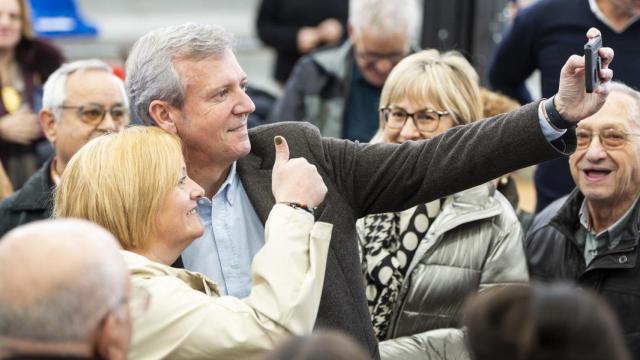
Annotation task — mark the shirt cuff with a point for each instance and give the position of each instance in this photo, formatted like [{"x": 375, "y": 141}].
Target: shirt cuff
[{"x": 548, "y": 131}]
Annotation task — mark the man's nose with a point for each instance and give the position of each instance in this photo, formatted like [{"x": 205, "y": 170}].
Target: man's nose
[
  {"x": 108, "y": 122},
  {"x": 245, "y": 105},
  {"x": 595, "y": 150},
  {"x": 384, "y": 66}
]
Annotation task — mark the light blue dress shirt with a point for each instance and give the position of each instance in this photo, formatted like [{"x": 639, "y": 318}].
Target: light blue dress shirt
[{"x": 233, "y": 234}]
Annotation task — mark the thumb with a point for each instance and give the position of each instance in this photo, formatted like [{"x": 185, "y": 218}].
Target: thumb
[{"x": 282, "y": 151}]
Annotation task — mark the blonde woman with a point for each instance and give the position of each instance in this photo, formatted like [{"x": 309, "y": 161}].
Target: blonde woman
[
  {"x": 134, "y": 184},
  {"x": 420, "y": 264}
]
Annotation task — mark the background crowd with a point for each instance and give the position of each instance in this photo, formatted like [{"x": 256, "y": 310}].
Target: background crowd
[{"x": 372, "y": 211}]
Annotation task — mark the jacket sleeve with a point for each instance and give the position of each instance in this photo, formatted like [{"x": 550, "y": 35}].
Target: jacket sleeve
[
  {"x": 376, "y": 178},
  {"x": 440, "y": 344},
  {"x": 506, "y": 263},
  {"x": 506, "y": 74},
  {"x": 288, "y": 275}
]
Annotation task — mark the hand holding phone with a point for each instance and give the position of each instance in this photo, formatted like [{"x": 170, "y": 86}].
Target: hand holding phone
[{"x": 592, "y": 63}]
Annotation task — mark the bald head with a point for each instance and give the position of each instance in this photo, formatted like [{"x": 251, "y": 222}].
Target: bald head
[{"x": 59, "y": 278}]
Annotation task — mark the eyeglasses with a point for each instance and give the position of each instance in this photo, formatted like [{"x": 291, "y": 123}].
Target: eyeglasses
[
  {"x": 372, "y": 57},
  {"x": 93, "y": 114},
  {"x": 609, "y": 138},
  {"x": 425, "y": 120}
]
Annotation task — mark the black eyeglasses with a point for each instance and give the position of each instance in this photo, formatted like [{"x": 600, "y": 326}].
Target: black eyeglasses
[
  {"x": 425, "y": 120},
  {"x": 609, "y": 138},
  {"x": 93, "y": 114}
]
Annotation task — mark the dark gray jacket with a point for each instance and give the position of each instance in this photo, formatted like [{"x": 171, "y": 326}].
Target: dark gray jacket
[
  {"x": 554, "y": 255},
  {"x": 373, "y": 178},
  {"x": 34, "y": 201}
]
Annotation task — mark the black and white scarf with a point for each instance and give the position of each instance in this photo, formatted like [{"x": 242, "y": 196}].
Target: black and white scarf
[{"x": 386, "y": 254}]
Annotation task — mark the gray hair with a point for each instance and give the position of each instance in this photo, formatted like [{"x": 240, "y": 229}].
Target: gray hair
[
  {"x": 385, "y": 17},
  {"x": 634, "y": 116},
  {"x": 75, "y": 297},
  {"x": 54, "y": 93},
  {"x": 150, "y": 71}
]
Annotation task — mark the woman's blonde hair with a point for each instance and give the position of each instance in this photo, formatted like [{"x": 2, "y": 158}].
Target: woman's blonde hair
[
  {"x": 446, "y": 80},
  {"x": 120, "y": 181}
]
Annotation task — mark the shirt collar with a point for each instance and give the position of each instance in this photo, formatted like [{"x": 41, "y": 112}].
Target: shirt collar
[
  {"x": 229, "y": 186},
  {"x": 615, "y": 229},
  {"x": 595, "y": 9}
]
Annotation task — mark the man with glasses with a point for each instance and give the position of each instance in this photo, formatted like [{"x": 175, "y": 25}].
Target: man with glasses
[
  {"x": 65, "y": 293},
  {"x": 591, "y": 236},
  {"x": 338, "y": 89},
  {"x": 81, "y": 100}
]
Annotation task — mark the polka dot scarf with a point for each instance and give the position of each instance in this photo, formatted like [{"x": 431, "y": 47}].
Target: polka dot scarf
[{"x": 387, "y": 253}]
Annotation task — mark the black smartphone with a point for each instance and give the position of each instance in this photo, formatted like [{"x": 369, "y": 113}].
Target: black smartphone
[{"x": 592, "y": 63}]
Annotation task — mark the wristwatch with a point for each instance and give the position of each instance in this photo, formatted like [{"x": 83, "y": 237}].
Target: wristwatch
[{"x": 554, "y": 116}]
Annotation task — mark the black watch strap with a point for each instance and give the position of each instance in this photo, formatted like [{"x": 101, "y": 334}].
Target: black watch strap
[
  {"x": 554, "y": 116},
  {"x": 298, "y": 206}
]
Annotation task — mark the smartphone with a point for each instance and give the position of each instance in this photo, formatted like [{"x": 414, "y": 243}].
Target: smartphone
[{"x": 592, "y": 63}]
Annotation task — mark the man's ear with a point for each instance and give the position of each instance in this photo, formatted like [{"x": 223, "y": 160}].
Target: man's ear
[
  {"x": 48, "y": 124},
  {"x": 164, "y": 115},
  {"x": 106, "y": 344}
]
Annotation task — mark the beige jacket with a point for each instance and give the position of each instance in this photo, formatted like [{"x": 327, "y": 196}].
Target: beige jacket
[{"x": 188, "y": 319}]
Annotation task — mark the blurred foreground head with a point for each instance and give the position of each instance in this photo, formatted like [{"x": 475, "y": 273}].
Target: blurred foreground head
[
  {"x": 65, "y": 290},
  {"x": 322, "y": 345},
  {"x": 542, "y": 322}
]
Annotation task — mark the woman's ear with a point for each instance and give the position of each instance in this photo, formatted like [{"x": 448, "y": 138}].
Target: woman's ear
[{"x": 164, "y": 115}]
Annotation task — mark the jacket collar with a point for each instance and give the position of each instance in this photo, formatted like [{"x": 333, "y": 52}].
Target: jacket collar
[
  {"x": 477, "y": 203},
  {"x": 255, "y": 180},
  {"x": 624, "y": 255},
  {"x": 336, "y": 61},
  {"x": 472, "y": 204},
  {"x": 254, "y": 171},
  {"x": 141, "y": 266},
  {"x": 37, "y": 192}
]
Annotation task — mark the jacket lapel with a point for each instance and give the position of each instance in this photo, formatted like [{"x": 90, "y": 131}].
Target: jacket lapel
[{"x": 257, "y": 184}]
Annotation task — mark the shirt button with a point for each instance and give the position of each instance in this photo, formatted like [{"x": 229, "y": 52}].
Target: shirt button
[{"x": 622, "y": 259}]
